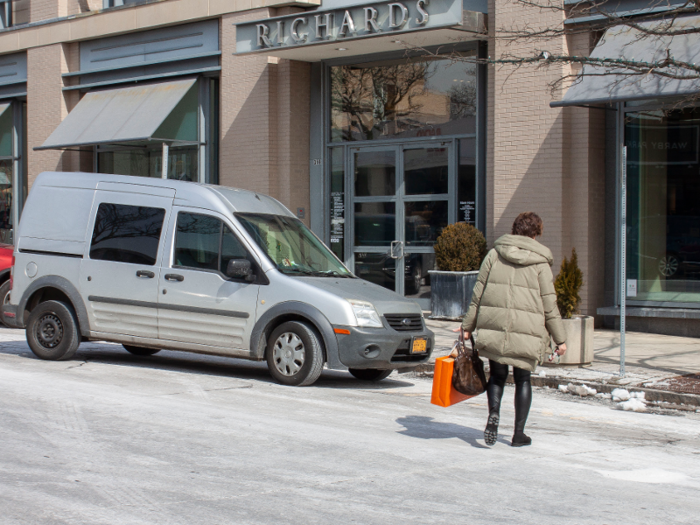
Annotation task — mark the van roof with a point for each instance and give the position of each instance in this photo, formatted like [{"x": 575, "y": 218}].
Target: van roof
[{"x": 193, "y": 194}]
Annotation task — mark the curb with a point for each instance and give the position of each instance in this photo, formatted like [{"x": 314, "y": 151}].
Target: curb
[{"x": 650, "y": 394}]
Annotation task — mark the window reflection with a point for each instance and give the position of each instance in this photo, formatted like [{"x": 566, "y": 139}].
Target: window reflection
[
  {"x": 663, "y": 189},
  {"x": 375, "y": 223},
  {"x": 148, "y": 162},
  {"x": 404, "y": 98},
  {"x": 375, "y": 173},
  {"x": 425, "y": 221},
  {"x": 425, "y": 170}
]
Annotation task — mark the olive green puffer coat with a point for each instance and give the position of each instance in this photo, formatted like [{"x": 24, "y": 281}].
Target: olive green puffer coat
[{"x": 514, "y": 305}]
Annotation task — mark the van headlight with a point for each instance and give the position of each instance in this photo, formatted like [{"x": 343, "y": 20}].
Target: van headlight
[{"x": 366, "y": 314}]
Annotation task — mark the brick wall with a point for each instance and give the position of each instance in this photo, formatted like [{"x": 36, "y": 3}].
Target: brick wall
[
  {"x": 264, "y": 119},
  {"x": 543, "y": 159},
  {"x": 46, "y": 106},
  {"x": 46, "y": 9}
]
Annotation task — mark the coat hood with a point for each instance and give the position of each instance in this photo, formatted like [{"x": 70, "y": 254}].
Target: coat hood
[{"x": 522, "y": 250}]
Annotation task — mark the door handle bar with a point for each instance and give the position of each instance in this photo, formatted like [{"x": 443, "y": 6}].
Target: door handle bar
[
  {"x": 396, "y": 250},
  {"x": 174, "y": 277},
  {"x": 145, "y": 273}
]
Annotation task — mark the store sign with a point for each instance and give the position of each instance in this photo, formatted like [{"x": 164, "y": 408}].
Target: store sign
[
  {"x": 376, "y": 19},
  {"x": 673, "y": 144}
]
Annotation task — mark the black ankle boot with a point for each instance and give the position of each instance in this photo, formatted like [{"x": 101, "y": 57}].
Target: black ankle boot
[
  {"x": 520, "y": 440},
  {"x": 491, "y": 430}
]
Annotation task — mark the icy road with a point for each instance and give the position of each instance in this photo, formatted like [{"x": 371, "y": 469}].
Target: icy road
[{"x": 109, "y": 438}]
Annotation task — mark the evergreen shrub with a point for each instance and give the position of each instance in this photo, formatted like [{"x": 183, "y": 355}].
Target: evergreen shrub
[
  {"x": 567, "y": 285},
  {"x": 460, "y": 248}
]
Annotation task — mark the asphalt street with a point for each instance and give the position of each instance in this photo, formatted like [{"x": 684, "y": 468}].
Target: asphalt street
[{"x": 110, "y": 438}]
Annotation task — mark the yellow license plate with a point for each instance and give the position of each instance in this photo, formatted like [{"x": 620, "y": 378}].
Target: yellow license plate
[{"x": 419, "y": 345}]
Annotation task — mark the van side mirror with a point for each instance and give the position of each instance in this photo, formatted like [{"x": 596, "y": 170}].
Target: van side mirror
[{"x": 240, "y": 269}]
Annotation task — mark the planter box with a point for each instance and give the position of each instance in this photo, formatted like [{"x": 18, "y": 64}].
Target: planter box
[
  {"x": 579, "y": 341},
  {"x": 451, "y": 293}
]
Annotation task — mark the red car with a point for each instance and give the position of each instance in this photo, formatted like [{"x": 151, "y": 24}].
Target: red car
[{"x": 6, "y": 251}]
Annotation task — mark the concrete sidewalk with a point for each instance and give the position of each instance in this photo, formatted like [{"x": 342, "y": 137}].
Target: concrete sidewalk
[{"x": 666, "y": 367}]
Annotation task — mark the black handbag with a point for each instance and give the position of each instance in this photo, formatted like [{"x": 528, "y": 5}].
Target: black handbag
[{"x": 468, "y": 376}]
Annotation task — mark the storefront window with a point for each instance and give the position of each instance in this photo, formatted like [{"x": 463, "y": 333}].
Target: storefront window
[
  {"x": 402, "y": 99},
  {"x": 663, "y": 180},
  {"x": 147, "y": 161}
]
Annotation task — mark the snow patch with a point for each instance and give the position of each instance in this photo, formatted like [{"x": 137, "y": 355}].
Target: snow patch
[
  {"x": 634, "y": 404},
  {"x": 651, "y": 475},
  {"x": 620, "y": 394},
  {"x": 603, "y": 395}
]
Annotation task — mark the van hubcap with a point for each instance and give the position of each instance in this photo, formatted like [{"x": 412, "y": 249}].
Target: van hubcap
[
  {"x": 49, "y": 331},
  {"x": 288, "y": 354}
]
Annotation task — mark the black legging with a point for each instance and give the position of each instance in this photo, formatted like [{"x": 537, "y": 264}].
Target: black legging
[{"x": 523, "y": 392}]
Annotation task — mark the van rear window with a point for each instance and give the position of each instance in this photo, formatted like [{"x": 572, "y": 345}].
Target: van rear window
[{"x": 127, "y": 234}]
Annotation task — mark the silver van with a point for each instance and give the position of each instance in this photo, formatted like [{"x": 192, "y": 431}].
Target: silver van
[{"x": 161, "y": 264}]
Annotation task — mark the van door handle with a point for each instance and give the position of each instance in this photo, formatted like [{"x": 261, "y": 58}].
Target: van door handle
[
  {"x": 145, "y": 273},
  {"x": 174, "y": 277}
]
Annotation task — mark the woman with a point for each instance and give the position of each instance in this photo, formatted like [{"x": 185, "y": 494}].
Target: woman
[{"x": 514, "y": 310}]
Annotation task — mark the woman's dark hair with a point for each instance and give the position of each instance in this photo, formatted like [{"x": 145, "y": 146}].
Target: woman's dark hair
[{"x": 528, "y": 224}]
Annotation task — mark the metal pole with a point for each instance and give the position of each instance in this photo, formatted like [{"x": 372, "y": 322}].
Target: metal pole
[{"x": 623, "y": 256}]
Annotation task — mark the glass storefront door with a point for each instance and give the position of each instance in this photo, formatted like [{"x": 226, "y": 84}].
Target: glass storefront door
[{"x": 399, "y": 206}]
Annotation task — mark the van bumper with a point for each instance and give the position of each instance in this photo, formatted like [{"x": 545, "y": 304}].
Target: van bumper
[
  {"x": 9, "y": 315},
  {"x": 381, "y": 348}
]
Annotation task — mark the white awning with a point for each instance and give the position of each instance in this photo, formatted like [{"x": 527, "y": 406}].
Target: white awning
[
  {"x": 118, "y": 115},
  {"x": 600, "y": 85}
]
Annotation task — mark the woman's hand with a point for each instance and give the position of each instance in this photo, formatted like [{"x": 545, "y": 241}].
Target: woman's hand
[
  {"x": 465, "y": 335},
  {"x": 561, "y": 349}
]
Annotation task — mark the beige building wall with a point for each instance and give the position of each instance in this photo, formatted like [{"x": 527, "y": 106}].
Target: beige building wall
[
  {"x": 264, "y": 120},
  {"x": 46, "y": 106},
  {"x": 542, "y": 159}
]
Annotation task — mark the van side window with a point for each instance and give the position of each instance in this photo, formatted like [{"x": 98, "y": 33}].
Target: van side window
[
  {"x": 127, "y": 234},
  {"x": 197, "y": 241},
  {"x": 205, "y": 243},
  {"x": 231, "y": 248}
]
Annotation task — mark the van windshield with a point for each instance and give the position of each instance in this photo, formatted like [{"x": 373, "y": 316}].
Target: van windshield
[{"x": 292, "y": 246}]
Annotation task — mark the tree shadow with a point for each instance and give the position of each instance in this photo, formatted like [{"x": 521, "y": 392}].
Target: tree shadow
[{"x": 424, "y": 427}]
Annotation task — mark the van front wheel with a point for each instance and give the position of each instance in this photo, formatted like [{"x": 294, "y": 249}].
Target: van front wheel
[
  {"x": 52, "y": 331},
  {"x": 295, "y": 354}
]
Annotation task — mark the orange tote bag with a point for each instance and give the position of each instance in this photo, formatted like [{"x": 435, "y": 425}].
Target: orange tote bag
[{"x": 444, "y": 393}]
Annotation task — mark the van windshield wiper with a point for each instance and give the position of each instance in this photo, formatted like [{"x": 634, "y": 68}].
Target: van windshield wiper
[{"x": 314, "y": 273}]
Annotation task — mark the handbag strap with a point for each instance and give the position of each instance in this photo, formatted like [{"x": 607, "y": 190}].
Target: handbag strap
[
  {"x": 475, "y": 352},
  {"x": 461, "y": 347}
]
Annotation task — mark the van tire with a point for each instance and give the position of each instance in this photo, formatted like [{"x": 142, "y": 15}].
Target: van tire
[
  {"x": 140, "y": 350},
  {"x": 295, "y": 354},
  {"x": 52, "y": 331},
  {"x": 370, "y": 374},
  {"x": 4, "y": 298}
]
